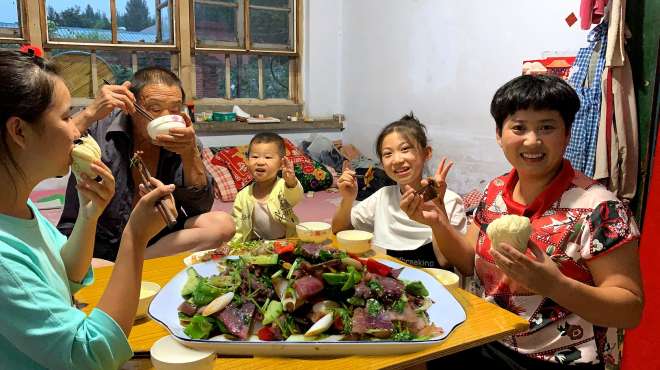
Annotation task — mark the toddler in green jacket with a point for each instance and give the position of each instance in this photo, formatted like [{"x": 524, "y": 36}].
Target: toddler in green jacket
[{"x": 264, "y": 209}]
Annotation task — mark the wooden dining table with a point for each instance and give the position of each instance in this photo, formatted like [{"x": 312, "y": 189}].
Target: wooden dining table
[{"x": 485, "y": 323}]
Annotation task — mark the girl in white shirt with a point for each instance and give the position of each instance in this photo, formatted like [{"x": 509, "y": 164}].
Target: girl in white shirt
[{"x": 403, "y": 151}]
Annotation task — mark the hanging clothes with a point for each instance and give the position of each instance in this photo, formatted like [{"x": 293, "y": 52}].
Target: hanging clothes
[
  {"x": 616, "y": 34},
  {"x": 586, "y": 80},
  {"x": 617, "y": 153},
  {"x": 603, "y": 144},
  {"x": 625, "y": 149},
  {"x": 591, "y": 12}
]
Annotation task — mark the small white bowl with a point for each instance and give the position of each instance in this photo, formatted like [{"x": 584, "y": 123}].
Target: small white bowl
[
  {"x": 354, "y": 241},
  {"x": 314, "y": 232},
  {"x": 148, "y": 291},
  {"x": 447, "y": 278},
  {"x": 168, "y": 354},
  {"x": 162, "y": 125}
]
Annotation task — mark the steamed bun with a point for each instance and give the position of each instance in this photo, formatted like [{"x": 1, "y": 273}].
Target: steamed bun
[
  {"x": 85, "y": 151},
  {"x": 512, "y": 229}
]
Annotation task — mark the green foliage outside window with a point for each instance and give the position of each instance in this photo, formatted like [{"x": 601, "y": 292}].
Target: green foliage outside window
[
  {"x": 136, "y": 16},
  {"x": 75, "y": 17}
]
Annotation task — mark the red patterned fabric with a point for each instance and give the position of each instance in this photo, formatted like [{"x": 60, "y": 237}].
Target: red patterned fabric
[
  {"x": 471, "y": 199},
  {"x": 234, "y": 160},
  {"x": 296, "y": 156},
  {"x": 225, "y": 187}
]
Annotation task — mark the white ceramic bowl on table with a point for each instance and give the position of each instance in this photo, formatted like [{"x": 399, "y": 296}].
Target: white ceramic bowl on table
[
  {"x": 162, "y": 125},
  {"x": 354, "y": 241},
  {"x": 314, "y": 232},
  {"x": 168, "y": 354},
  {"x": 148, "y": 291}
]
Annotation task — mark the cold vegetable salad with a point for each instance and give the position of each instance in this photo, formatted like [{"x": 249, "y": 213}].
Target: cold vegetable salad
[{"x": 305, "y": 291}]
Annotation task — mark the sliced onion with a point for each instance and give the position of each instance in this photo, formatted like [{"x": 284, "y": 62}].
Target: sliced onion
[
  {"x": 320, "y": 326},
  {"x": 352, "y": 262},
  {"x": 324, "y": 307}
]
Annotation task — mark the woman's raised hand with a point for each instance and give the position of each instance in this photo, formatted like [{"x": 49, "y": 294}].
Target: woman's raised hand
[
  {"x": 539, "y": 274},
  {"x": 93, "y": 195},
  {"x": 347, "y": 182},
  {"x": 145, "y": 220}
]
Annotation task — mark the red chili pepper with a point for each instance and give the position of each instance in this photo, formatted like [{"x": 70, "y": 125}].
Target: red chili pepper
[
  {"x": 266, "y": 333},
  {"x": 376, "y": 267},
  {"x": 282, "y": 247},
  {"x": 357, "y": 258}
]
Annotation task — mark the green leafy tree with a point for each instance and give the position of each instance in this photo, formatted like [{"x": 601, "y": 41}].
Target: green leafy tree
[
  {"x": 71, "y": 17},
  {"x": 53, "y": 15},
  {"x": 74, "y": 17},
  {"x": 53, "y": 20},
  {"x": 136, "y": 16}
]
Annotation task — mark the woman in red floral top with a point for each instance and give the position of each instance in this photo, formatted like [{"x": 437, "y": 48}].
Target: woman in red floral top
[{"x": 579, "y": 279}]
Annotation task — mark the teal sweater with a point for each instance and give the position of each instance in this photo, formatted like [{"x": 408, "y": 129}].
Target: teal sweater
[{"x": 40, "y": 328}]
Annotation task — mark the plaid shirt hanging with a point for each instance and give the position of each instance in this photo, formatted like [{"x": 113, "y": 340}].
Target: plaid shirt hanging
[{"x": 581, "y": 149}]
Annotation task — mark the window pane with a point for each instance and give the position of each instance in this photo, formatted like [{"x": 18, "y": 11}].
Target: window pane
[
  {"x": 10, "y": 46},
  {"x": 273, "y": 3},
  {"x": 88, "y": 21},
  {"x": 139, "y": 22},
  {"x": 76, "y": 70},
  {"x": 276, "y": 77},
  {"x": 244, "y": 76},
  {"x": 216, "y": 22},
  {"x": 269, "y": 26},
  {"x": 115, "y": 67},
  {"x": 166, "y": 33},
  {"x": 148, "y": 59},
  {"x": 210, "y": 75},
  {"x": 9, "y": 19}
]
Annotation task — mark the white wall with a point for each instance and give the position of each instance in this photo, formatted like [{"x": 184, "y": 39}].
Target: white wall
[
  {"x": 322, "y": 57},
  {"x": 443, "y": 59}
]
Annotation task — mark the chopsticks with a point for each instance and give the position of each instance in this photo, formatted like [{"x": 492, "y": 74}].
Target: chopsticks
[
  {"x": 170, "y": 219},
  {"x": 367, "y": 173},
  {"x": 140, "y": 109}
]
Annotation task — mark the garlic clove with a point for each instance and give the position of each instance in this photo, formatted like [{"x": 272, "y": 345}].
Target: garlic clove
[
  {"x": 218, "y": 304},
  {"x": 320, "y": 326}
]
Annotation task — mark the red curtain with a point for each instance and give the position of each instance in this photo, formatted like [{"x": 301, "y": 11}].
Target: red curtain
[{"x": 641, "y": 344}]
